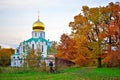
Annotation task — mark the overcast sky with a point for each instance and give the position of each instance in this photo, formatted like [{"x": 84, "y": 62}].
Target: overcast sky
[{"x": 17, "y": 17}]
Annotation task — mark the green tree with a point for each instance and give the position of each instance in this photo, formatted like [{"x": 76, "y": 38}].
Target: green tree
[
  {"x": 53, "y": 48},
  {"x": 38, "y": 57},
  {"x": 33, "y": 57},
  {"x": 96, "y": 51}
]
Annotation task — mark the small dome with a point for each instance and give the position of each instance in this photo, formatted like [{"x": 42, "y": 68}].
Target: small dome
[{"x": 38, "y": 26}]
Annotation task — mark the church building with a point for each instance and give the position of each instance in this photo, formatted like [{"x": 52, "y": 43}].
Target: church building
[{"x": 36, "y": 41}]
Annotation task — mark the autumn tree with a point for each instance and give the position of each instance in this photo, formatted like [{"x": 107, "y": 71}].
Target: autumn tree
[
  {"x": 93, "y": 33},
  {"x": 92, "y": 14},
  {"x": 38, "y": 57},
  {"x": 75, "y": 47},
  {"x": 67, "y": 50},
  {"x": 3, "y": 59},
  {"x": 65, "y": 47},
  {"x": 105, "y": 21},
  {"x": 80, "y": 30},
  {"x": 29, "y": 56},
  {"x": 33, "y": 59},
  {"x": 112, "y": 34},
  {"x": 5, "y": 56},
  {"x": 0, "y": 47}
]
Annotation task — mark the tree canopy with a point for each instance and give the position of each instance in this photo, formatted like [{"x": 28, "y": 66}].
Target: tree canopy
[{"x": 94, "y": 33}]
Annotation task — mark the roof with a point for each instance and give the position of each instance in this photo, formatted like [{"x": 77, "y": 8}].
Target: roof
[
  {"x": 36, "y": 40},
  {"x": 16, "y": 54},
  {"x": 38, "y": 26}
]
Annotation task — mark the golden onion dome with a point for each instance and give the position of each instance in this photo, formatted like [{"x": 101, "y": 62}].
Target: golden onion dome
[{"x": 38, "y": 26}]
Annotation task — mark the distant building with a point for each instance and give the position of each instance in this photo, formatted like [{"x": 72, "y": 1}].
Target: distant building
[{"x": 36, "y": 41}]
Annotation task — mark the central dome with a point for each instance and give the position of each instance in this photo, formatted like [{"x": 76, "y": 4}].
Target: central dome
[{"x": 38, "y": 26}]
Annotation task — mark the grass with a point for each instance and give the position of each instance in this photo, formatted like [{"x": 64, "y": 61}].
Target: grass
[{"x": 84, "y": 73}]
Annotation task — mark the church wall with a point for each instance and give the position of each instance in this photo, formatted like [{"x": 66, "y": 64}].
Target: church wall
[
  {"x": 33, "y": 43},
  {"x": 37, "y": 35},
  {"x": 45, "y": 50},
  {"x": 16, "y": 60}
]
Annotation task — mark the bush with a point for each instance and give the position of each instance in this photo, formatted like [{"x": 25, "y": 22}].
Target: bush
[{"x": 112, "y": 60}]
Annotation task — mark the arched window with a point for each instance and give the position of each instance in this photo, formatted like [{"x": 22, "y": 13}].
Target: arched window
[
  {"x": 42, "y": 48},
  {"x": 14, "y": 57},
  {"x": 41, "y": 34},
  {"x": 17, "y": 50},
  {"x": 18, "y": 58},
  {"x": 14, "y": 63},
  {"x": 21, "y": 62},
  {"x": 35, "y": 34},
  {"x": 23, "y": 48},
  {"x": 32, "y": 46}
]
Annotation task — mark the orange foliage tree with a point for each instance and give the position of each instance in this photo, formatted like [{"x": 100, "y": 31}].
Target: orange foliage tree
[
  {"x": 65, "y": 48},
  {"x": 106, "y": 28},
  {"x": 68, "y": 51},
  {"x": 112, "y": 34},
  {"x": 5, "y": 56},
  {"x": 74, "y": 47},
  {"x": 80, "y": 30},
  {"x": 94, "y": 32}
]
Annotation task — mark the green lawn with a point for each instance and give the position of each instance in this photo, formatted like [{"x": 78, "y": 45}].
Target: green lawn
[{"x": 84, "y": 73}]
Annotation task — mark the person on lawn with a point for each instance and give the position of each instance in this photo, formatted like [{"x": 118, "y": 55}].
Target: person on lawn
[{"x": 51, "y": 66}]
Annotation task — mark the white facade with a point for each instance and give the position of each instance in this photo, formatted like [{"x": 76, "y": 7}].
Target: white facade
[{"x": 37, "y": 41}]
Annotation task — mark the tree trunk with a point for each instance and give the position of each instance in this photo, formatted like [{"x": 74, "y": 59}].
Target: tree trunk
[
  {"x": 99, "y": 62},
  {"x": 110, "y": 40},
  {"x": 56, "y": 63}
]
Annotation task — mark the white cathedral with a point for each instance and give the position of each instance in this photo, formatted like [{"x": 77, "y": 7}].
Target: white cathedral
[{"x": 36, "y": 41}]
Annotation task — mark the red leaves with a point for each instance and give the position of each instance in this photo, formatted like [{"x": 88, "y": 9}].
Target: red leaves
[
  {"x": 66, "y": 47},
  {"x": 99, "y": 26},
  {"x": 112, "y": 59}
]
